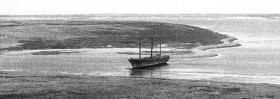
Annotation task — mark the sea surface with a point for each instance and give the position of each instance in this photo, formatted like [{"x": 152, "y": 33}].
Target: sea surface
[{"x": 256, "y": 61}]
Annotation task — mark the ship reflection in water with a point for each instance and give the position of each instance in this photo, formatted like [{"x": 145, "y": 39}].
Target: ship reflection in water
[{"x": 154, "y": 71}]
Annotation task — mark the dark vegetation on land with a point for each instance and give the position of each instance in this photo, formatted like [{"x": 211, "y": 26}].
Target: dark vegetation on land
[
  {"x": 98, "y": 34},
  {"x": 94, "y": 87}
]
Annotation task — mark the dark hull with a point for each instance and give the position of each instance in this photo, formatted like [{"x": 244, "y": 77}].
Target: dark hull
[{"x": 148, "y": 61}]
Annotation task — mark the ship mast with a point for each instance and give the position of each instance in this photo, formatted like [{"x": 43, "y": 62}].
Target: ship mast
[
  {"x": 140, "y": 50},
  {"x": 160, "y": 49},
  {"x": 152, "y": 43}
]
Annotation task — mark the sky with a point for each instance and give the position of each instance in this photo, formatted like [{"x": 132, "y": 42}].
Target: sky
[{"x": 46, "y": 7}]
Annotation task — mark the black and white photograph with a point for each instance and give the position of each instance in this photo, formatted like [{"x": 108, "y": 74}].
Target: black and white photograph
[{"x": 139, "y": 49}]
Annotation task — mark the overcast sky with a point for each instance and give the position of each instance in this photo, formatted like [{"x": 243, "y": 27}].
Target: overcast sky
[{"x": 37, "y": 7}]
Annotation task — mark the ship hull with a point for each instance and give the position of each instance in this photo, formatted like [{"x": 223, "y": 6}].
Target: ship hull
[{"x": 148, "y": 61}]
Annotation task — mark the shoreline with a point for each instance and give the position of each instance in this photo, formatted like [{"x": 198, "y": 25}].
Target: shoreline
[
  {"x": 227, "y": 42},
  {"x": 201, "y": 51}
]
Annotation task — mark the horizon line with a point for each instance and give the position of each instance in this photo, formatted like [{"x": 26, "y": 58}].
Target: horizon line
[{"x": 141, "y": 14}]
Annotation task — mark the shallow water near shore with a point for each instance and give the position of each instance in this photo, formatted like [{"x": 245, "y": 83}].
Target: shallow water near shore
[{"x": 256, "y": 61}]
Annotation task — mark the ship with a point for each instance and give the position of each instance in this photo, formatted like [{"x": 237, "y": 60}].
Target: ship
[{"x": 145, "y": 62}]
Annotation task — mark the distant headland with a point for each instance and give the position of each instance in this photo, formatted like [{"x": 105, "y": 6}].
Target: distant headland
[{"x": 73, "y": 34}]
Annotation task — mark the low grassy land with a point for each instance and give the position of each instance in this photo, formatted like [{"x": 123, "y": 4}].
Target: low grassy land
[
  {"x": 62, "y": 34},
  {"x": 89, "y": 87}
]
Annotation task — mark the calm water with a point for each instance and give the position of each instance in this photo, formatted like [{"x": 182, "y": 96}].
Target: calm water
[{"x": 256, "y": 61}]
